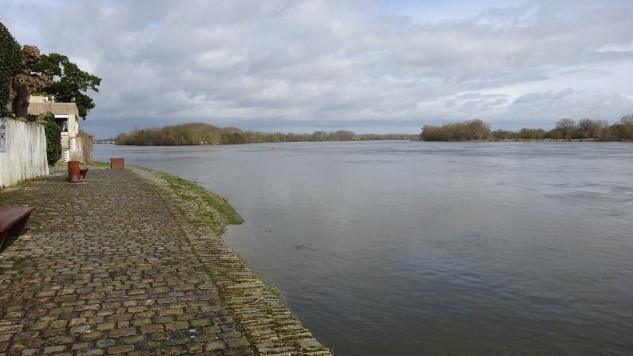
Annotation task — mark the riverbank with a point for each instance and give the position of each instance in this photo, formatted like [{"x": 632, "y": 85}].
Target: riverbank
[{"x": 131, "y": 261}]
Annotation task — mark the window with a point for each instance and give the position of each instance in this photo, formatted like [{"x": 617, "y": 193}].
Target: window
[{"x": 63, "y": 123}]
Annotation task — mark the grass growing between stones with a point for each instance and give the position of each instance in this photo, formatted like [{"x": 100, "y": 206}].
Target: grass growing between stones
[{"x": 214, "y": 208}]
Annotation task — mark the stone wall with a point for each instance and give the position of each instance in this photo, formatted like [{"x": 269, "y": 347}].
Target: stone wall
[
  {"x": 22, "y": 151},
  {"x": 73, "y": 125},
  {"x": 85, "y": 144},
  {"x": 76, "y": 149}
]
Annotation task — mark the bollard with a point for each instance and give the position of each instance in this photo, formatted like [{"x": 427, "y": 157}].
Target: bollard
[
  {"x": 117, "y": 163},
  {"x": 74, "y": 172}
]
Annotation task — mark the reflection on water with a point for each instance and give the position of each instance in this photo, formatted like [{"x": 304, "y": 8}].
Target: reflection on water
[{"x": 409, "y": 248}]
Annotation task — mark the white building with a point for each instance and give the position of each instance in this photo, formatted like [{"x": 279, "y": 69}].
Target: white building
[{"x": 66, "y": 115}]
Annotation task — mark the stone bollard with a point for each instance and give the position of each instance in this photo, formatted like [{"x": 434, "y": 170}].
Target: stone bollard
[{"x": 74, "y": 172}]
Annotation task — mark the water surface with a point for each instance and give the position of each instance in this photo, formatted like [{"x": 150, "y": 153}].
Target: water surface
[{"x": 408, "y": 248}]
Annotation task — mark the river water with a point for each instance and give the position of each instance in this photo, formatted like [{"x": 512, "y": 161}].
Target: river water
[{"x": 409, "y": 248}]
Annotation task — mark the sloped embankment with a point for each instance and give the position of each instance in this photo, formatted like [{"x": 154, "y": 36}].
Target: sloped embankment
[{"x": 259, "y": 309}]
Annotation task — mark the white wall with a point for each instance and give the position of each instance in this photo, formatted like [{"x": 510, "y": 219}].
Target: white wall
[
  {"x": 25, "y": 155},
  {"x": 73, "y": 125}
]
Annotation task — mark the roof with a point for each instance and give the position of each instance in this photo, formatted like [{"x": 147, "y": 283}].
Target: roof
[{"x": 55, "y": 108}]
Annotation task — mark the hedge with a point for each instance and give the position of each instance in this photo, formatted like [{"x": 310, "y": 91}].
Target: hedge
[
  {"x": 9, "y": 64},
  {"x": 53, "y": 141}
]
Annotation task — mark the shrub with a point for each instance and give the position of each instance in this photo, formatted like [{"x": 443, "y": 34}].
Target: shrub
[
  {"x": 10, "y": 56},
  {"x": 53, "y": 141}
]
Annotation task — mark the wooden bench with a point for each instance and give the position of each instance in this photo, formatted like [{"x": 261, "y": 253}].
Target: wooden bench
[{"x": 13, "y": 221}]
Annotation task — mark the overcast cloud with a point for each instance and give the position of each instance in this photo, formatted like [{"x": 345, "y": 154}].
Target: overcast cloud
[{"x": 363, "y": 65}]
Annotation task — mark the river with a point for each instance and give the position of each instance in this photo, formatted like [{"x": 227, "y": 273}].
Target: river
[{"x": 410, "y": 248}]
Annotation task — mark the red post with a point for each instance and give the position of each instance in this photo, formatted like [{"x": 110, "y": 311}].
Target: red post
[
  {"x": 117, "y": 163},
  {"x": 74, "y": 172}
]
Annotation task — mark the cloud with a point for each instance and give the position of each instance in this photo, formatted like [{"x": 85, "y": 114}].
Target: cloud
[{"x": 356, "y": 64}]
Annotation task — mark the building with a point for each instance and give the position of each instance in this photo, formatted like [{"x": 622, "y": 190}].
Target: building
[{"x": 67, "y": 116}]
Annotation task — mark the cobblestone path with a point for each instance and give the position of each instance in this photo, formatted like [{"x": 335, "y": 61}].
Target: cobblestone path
[{"x": 121, "y": 264}]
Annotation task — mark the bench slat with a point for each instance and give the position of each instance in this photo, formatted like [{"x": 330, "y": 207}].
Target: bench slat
[{"x": 13, "y": 214}]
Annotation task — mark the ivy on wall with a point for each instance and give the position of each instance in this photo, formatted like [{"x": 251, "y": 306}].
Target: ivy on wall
[
  {"x": 10, "y": 55},
  {"x": 53, "y": 140}
]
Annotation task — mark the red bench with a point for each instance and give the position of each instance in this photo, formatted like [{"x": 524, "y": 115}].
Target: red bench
[{"x": 13, "y": 221}]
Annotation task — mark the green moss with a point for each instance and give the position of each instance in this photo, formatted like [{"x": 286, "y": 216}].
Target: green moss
[{"x": 215, "y": 209}]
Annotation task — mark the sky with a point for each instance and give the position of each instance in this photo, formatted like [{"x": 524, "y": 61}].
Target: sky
[{"x": 361, "y": 65}]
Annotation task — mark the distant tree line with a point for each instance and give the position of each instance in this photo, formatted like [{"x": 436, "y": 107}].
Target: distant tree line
[
  {"x": 205, "y": 134},
  {"x": 474, "y": 130},
  {"x": 566, "y": 129}
]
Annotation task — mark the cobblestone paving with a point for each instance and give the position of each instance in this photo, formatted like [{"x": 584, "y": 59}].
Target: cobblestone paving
[{"x": 120, "y": 264}]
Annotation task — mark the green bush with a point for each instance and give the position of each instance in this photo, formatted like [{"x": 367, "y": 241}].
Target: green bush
[
  {"x": 9, "y": 65},
  {"x": 53, "y": 141}
]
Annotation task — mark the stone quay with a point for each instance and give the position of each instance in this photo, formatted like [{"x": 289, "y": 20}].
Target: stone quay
[{"x": 121, "y": 263}]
